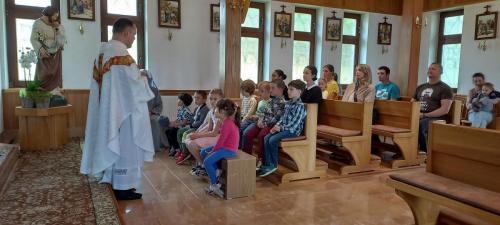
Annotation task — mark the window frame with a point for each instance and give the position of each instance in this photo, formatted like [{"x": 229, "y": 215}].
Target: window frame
[
  {"x": 447, "y": 39},
  {"x": 13, "y": 12},
  {"x": 353, "y": 40},
  {"x": 259, "y": 34},
  {"x": 107, "y": 19},
  {"x": 307, "y": 36}
]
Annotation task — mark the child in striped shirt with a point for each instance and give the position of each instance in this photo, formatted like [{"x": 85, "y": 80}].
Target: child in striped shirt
[{"x": 290, "y": 125}]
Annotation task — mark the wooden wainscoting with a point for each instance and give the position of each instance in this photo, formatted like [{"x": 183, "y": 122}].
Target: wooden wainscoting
[{"x": 79, "y": 98}]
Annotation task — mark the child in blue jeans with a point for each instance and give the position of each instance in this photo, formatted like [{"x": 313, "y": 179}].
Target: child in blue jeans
[
  {"x": 226, "y": 146},
  {"x": 290, "y": 125}
]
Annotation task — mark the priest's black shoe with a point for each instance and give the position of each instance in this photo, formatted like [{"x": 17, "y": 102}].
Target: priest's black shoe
[{"x": 127, "y": 195}]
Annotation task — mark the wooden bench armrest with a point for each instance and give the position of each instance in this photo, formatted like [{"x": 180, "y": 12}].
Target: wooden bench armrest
[
  {"x": 466, "y": 194},
  {"x": 441, "y": 200}
]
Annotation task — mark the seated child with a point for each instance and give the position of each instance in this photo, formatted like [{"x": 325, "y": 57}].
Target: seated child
[
  {"x": 208, "y": 137},
  {"x": 480, "y": 114},
  {"x": 200, "y": 99},
  {"x": 248, "y": 102},
  {"x": 184, "y": 118},
  {"x": 290, "y": 125},
  {"x": 264, "y": 86},
  {"x": 322, "y": 85},
  {"x": 226, "y": 146},
  {"x": 272, "y": 114}
]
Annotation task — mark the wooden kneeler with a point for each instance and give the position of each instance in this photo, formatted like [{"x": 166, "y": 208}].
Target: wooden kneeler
[{"x": 297, "y": 159}]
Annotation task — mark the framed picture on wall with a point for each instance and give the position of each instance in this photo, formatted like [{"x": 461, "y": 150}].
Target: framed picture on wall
[
  {"x": 333, "y": 29},
  {"x": 282, "y": 24},
  {"x": 81, "y": 10},
  {"x": 486, "y": 26},
  {"x": 384, "y": 36},
  {"x": 215, "y": 17},
  {"x": 169, "y": 13}
]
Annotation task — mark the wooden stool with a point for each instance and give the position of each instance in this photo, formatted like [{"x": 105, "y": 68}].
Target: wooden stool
[{"x": 238, "y": 176}]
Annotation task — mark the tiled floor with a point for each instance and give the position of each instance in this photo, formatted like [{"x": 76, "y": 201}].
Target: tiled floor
[{"x": 173, "y": 196}]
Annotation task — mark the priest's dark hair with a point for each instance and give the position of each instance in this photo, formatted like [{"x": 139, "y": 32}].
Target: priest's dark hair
[
  {"x": 186, "y": 99},
  {"x": 230, "y": 108},
  {"x": 121, "y": 24}
]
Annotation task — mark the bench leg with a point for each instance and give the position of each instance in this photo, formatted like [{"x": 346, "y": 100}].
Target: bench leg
[
  {"x": 425, "y": 212},
  {"x": 408, "y": 148},
  {"x": 361, "y": 155}
]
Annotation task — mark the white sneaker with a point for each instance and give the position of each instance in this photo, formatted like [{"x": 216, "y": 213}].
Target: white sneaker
[
  {"x": 215, "y": 189},
  {"x": 259, "y": 164}
]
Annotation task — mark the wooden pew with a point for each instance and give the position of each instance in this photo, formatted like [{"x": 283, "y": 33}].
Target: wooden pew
[
  {"x": 495, "y": 123},
  {"x": 399, "y": 120},
  {"x": 454, "y": 115},
  {"x": 349, "y": 123},
  {"x": 463, "y": 175},
  {"x": 297, "y": 157}
]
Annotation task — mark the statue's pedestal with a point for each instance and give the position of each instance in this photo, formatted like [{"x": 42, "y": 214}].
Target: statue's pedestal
[{"x": 43, "y": 129}]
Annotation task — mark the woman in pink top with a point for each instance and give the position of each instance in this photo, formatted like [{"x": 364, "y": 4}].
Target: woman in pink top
[{"x": 226, "y": 146}]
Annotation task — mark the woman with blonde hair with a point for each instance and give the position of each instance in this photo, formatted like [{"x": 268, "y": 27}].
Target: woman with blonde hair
[{"x": 362, "y": 90}]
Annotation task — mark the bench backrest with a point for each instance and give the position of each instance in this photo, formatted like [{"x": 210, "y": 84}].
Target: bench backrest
[
  {"x": 311, "y": 121},
  {"x": 466, "y": 154},
  {"x": 402, "y": 114},
  {"x": 455, "y": 114},
  {"x": 346, "y": 115}
]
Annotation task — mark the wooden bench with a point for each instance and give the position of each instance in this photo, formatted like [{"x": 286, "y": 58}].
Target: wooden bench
[
  {"x": 297, "y": 156},
  {"x": 399, "y": 120},
  {"x": 349, "y": 123},
  {"x": 238, "y": 176},
  {"x": 495, "y": 123},
  {"x": 454, "y": 115},
  {"x": 463, "y": 175}
]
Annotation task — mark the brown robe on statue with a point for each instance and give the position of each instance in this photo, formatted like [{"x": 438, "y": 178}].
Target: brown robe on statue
[{"x": 48, "y": 71}]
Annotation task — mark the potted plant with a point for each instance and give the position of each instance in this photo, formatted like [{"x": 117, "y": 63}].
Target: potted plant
[
  {"x": 28, "y": 58},
  {"x": 41, "y": 99}
]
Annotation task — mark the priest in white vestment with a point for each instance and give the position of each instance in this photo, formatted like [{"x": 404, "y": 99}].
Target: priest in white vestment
[{"x": 118, "y": 134}]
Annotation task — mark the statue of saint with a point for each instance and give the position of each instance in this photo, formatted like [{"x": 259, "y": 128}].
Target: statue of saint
[{"x": 48, "y": 39}]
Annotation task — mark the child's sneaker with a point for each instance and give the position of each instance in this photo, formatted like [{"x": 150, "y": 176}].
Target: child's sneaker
[
  {"x": 201, "y": 172},
  {"x": 195, "y": 169},
  {"x": 215, "y": 190},
  {"x": 183, "y": 159},
  {"x": 259, "y": 165},
  {"x": 177, "y": 154},
  {"x": 264, "y": 171}
]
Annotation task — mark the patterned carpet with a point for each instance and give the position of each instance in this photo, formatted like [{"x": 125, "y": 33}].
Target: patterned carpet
[{"x": 47, "y": 188}]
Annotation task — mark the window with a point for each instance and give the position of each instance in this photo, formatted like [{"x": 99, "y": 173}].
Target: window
[
  {"x": 20, "y": 15},
  {"x": 252, "y": 43},
  {"x": 449, "y": 45},
  {"x": 350, "y": 46},
  {"x": 111, "y": 10},
  {"x": 304, "y": 21}
]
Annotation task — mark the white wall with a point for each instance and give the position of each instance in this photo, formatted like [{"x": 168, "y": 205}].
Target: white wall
[
  {"x": 277, "y": 57},
  {"x": 472, "y": 59},
  {"x": 191, "y": 59},
  {"x": 428, "y": 44},
  {"x": 374, "y": 56},
  {"x": 80, "y": 51},
  {"x": 328, "y": 55}
]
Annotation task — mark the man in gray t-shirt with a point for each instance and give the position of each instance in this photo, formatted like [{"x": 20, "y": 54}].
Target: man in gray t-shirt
[{"x": 435, "y": 102}]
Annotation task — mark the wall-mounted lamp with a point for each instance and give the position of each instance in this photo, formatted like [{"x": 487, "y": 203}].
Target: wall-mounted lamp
[
  {"x": 334, "y": 46},
  {"x": 385, "y": 49},
  {"x": 482, "y": 46},
  {"x": 169, "y": 35},
  {"x": 418, "y": 23},
  {"x": 283, "y": 43},
  {"x": 81, "y": 29}
]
